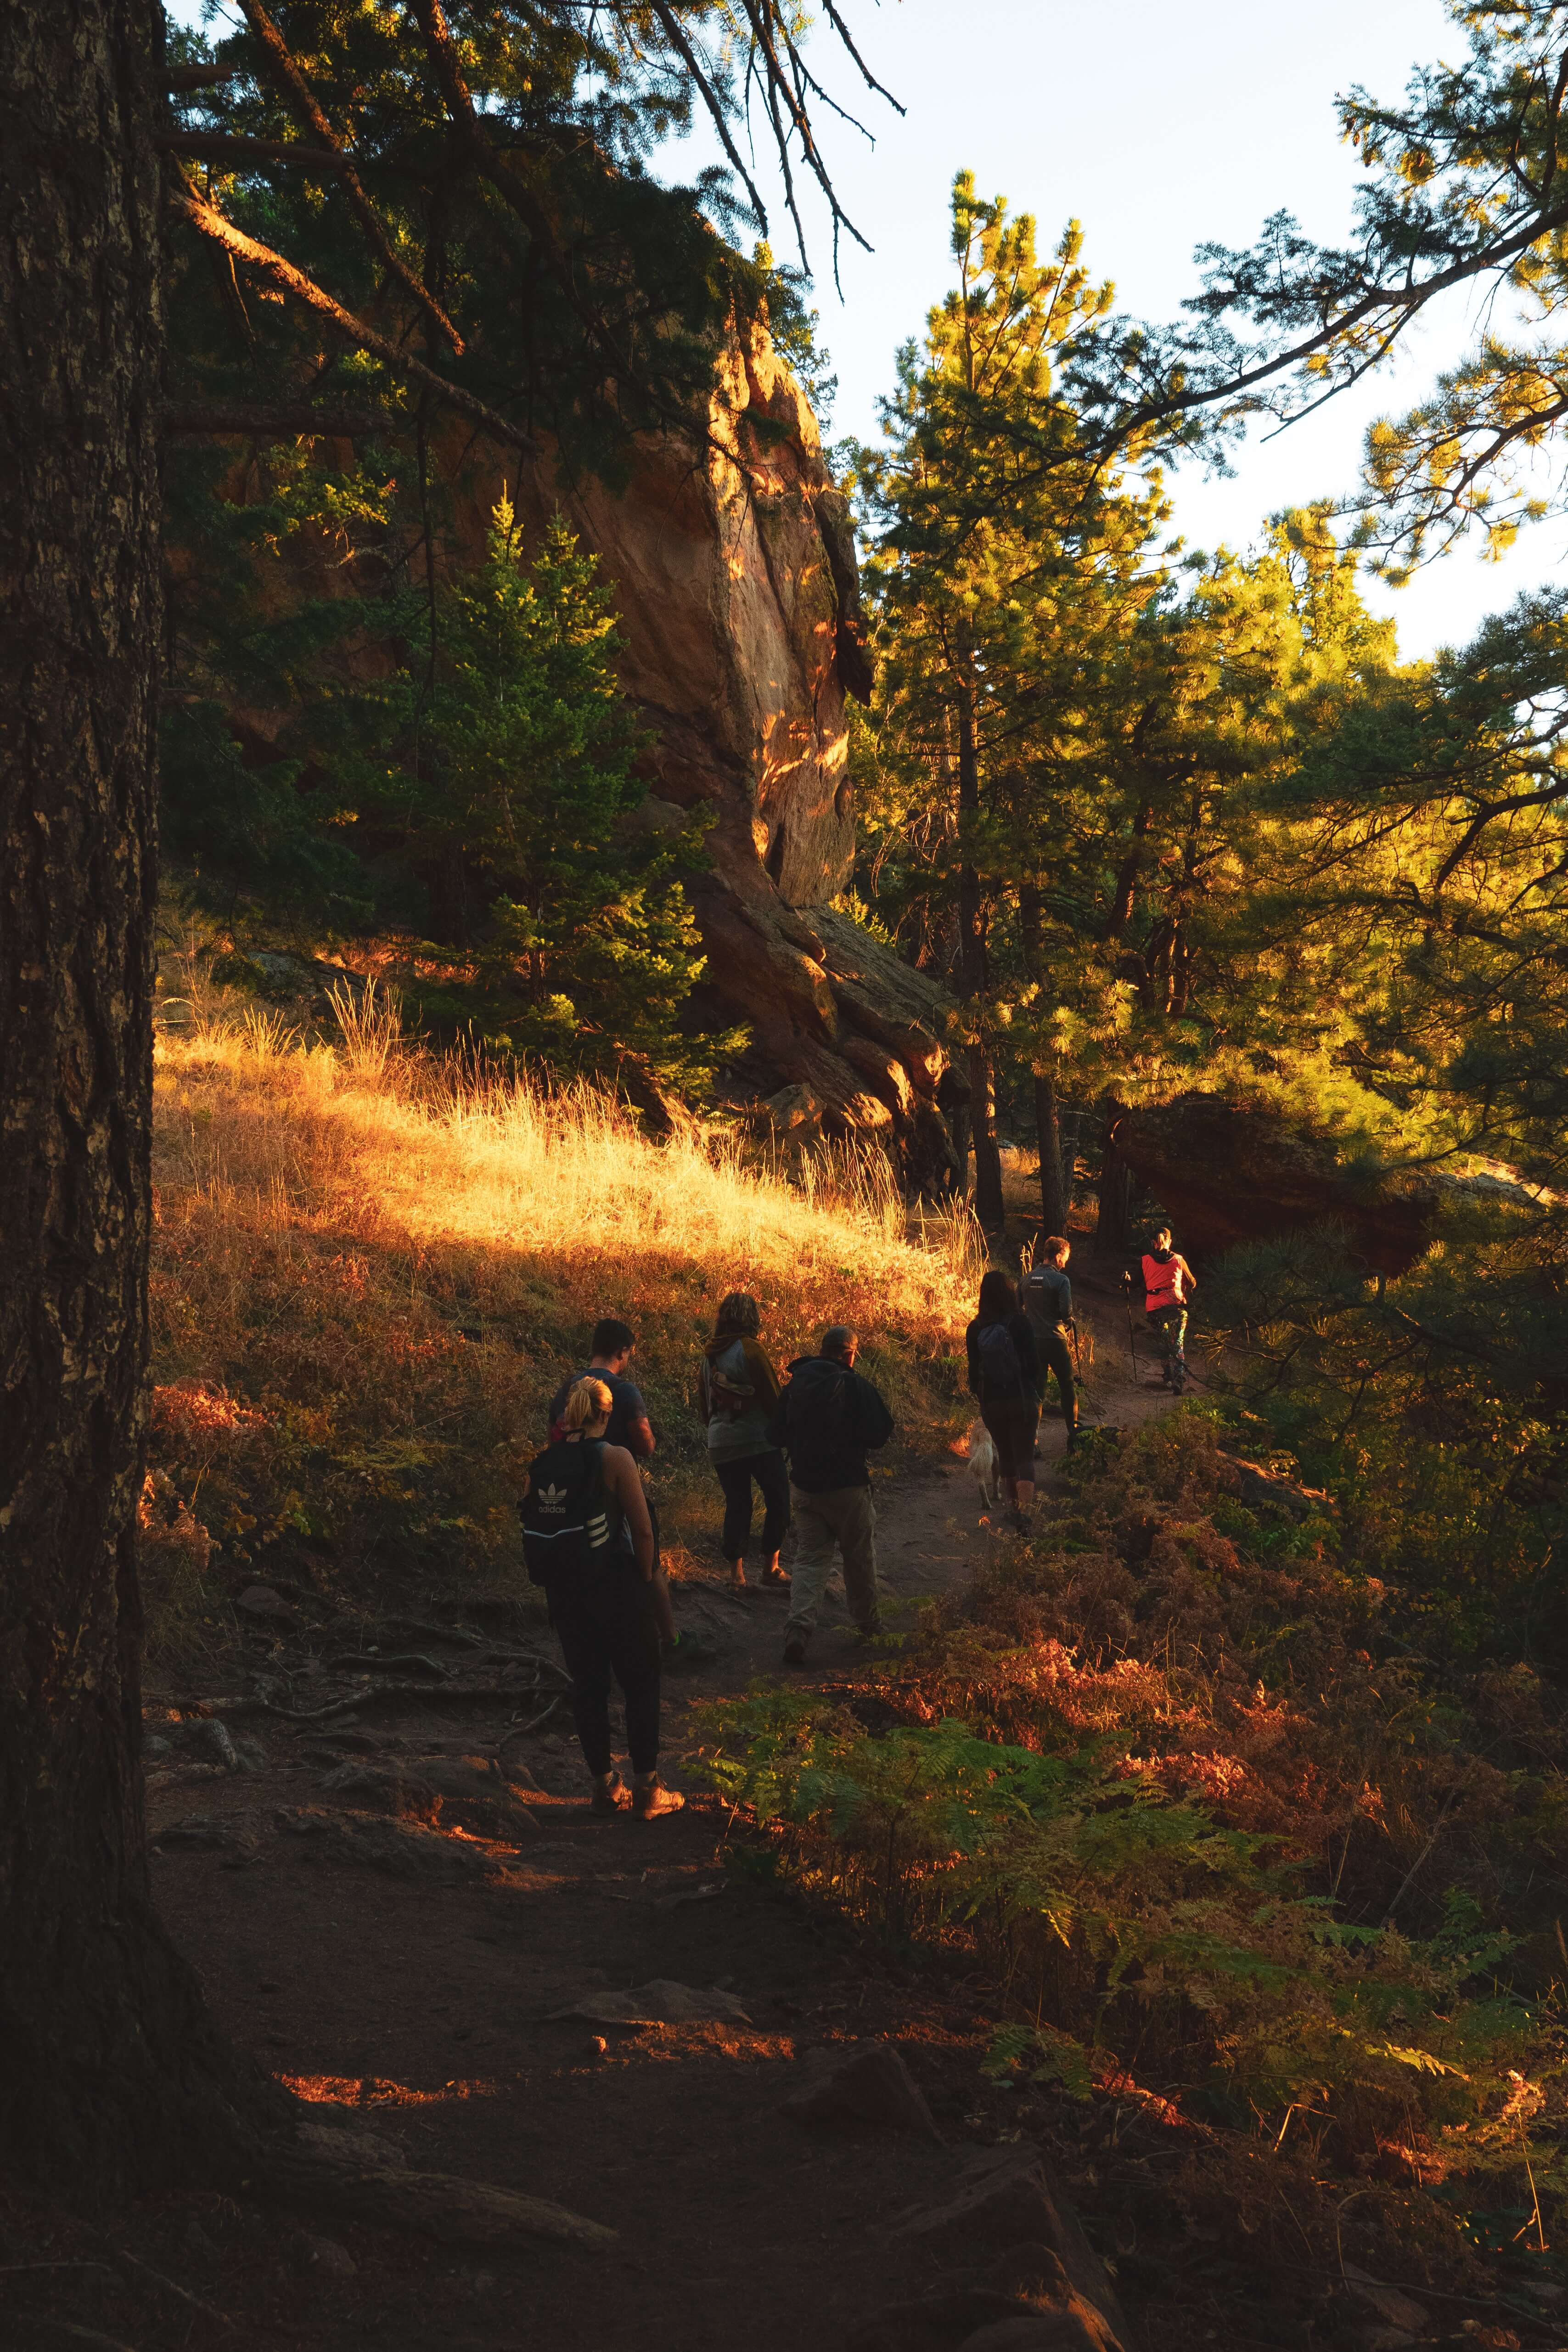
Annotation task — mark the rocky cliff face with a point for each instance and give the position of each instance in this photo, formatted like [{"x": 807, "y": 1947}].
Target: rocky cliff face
[
  {"x": 1229, "y": 1172},
  {"x": 733, "y": 565}
]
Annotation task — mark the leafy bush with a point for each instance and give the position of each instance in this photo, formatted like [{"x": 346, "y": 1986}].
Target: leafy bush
[{"x": 1163, "y": 1773}]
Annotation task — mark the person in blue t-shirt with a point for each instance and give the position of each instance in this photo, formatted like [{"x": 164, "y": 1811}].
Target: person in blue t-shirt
[{"x": 613, "y": 1345}]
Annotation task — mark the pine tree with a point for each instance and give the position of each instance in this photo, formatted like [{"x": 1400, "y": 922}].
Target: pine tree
[
  {"x": 969, "y": 571},
  {"x": 565, "y": 930}
]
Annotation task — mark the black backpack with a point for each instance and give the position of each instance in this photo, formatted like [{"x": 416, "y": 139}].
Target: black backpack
[
  {"x": 1001, "y": 1373},
  {"x": 816, "y": 1416},
  {"x": 571, "y": 1522}
]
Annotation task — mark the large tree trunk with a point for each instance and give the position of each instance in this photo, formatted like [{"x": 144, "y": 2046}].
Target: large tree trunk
[
  {"x": 110, "y": 2075},
  {"x": 1055, "y": 1198},
  {"x": 989, "y": 1203}
]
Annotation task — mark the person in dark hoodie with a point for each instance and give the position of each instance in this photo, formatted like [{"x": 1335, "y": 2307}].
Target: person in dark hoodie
[{"x": 829, "y": 1418}]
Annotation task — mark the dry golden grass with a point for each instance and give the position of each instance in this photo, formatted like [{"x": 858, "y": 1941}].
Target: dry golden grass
[{"x": 372, "y": 1269}]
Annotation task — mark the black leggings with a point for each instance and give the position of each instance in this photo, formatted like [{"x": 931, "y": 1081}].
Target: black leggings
[
  {"x": 736, "y": 1478},
  {"x": 1057, "y": 1357},
  {"x": 1012, "y": 1421},
  {"x": 606, "y": 1627}
]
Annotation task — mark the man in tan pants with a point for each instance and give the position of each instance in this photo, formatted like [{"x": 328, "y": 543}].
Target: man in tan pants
[{"x": 829, "y": 1420}]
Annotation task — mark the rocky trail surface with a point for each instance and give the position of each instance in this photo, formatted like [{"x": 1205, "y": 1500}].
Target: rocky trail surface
[{"x": 404, "y": 1910}]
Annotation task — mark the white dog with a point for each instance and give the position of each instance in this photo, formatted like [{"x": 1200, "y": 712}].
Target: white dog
[{"x": 982, "y": 1462}]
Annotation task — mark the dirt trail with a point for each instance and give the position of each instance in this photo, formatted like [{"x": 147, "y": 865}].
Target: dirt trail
[{"x": 419, "y": 2002}]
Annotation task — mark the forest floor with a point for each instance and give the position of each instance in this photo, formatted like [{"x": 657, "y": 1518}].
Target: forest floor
[{"x": 411, "y": 1986}]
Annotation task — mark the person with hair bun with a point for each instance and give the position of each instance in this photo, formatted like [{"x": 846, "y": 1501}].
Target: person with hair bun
[
  {"x": 737, "y": 1393},
  {"x": 588, "y": 1539}
]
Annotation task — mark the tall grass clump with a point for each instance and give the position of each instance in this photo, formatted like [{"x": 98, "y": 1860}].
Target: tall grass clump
[{"x": 371, "y": 1269}]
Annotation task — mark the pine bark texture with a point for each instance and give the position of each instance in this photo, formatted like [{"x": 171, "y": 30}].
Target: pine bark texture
[
  {"x": 989, "y": 1203},
  {"x": 110, "y": 2074}
]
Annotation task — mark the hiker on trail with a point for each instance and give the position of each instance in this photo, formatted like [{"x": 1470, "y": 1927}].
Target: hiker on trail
[
  {"x": 1045, "y": 1296},
  {"x": 1005, "y": 1382},
  {"x": 829, "y": 1418},
  {"x": 613, "y": 1346},
  {"x": 1168, "y": 1283},
  {"x": 588, "y": 1539},
  {"x": 738, "y": 1392},
  {"x": 612, "y": 1349}
]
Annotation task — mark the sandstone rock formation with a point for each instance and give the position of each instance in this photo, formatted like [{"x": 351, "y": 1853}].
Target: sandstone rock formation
[
  {"x": 1230, "y": 1171},
  {"x": 733, "y": 567}
]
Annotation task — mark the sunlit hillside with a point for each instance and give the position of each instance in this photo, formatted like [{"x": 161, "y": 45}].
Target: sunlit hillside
[{"x": 372, "y": 1270}]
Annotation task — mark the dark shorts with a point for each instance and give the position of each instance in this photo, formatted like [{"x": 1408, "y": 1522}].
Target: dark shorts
[{"x": 1012, "y": 1426}]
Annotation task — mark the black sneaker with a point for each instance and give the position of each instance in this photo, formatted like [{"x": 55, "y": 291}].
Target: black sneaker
[{"x": 795, "y": 1650}]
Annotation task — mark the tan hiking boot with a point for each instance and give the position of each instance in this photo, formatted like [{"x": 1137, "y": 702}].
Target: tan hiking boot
[
  {"x": 611, "y": 1795},
  {"x": 650, "y": 1797}
]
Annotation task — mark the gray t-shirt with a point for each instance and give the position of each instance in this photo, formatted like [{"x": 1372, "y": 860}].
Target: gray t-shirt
[{"x": 626, "y": 1404}]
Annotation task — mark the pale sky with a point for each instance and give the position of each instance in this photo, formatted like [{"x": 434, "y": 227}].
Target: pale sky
[{"x": 1158, "y": 127}]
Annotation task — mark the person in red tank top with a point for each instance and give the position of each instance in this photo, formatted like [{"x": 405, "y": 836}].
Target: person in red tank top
[{"x": 1168, "y": 1283}]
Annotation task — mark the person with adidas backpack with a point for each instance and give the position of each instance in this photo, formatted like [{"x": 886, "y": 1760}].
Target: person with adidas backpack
[
  {"x": 589, "y": 1542},
  {"x": 1005, "y": 1381}
]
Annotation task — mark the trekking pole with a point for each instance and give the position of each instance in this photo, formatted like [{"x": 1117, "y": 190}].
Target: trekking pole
[{"x": 1131, "y": 1335}]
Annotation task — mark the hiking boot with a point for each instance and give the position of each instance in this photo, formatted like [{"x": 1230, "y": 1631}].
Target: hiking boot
[
  {"x": 650, "y": 1797},
  {"x": 795, "y": 1650},
  {"x": 611, "y": 1795}
]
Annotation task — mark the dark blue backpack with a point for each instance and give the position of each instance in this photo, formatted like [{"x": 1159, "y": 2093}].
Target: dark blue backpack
[{"x": 1001, "y": 1373}]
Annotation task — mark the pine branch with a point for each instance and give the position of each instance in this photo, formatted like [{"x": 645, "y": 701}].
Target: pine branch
[
  {"x": 179, "y": 79},
  {"x": 210, "y": 223},
  {"x": 302, "y": 103},
  {"x": 683, "y": 48},
  {"x": 442, "y": 50},
  {"x": 232, "y": 150},
  {"x": 218, "y": 420}
]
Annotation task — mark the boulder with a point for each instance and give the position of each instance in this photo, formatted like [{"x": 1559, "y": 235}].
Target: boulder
[
  {"x": 403, "y": 1849},
  {"x": 869, "y": 2085},
  {"x": 1004, "y": 2200},
  {"x": 1228, "y": 1172},
  {"x": 662, "y": 2002},
  {"x": 1042, "y": 2331},
  {"x": 463, "y": 1792}
]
